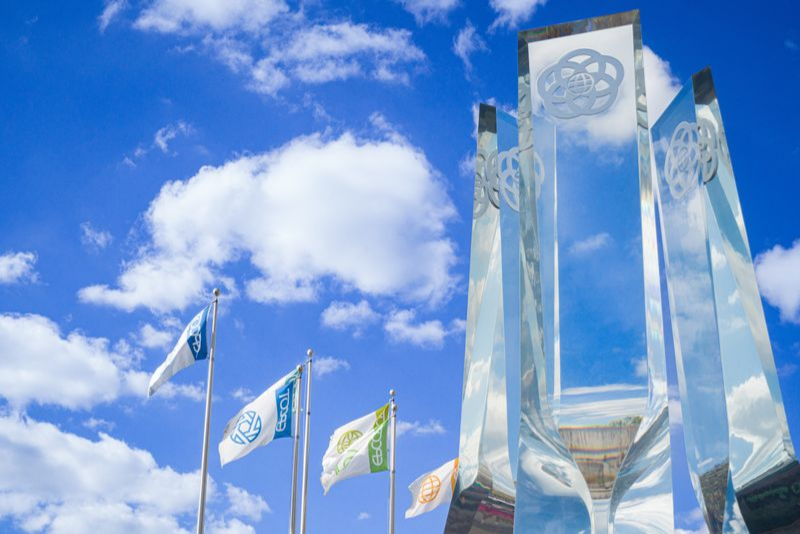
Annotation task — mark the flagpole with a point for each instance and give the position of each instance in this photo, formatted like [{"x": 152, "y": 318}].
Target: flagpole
[
  {"x": 295, "y": 454},
  {"x": 201, "y": 509},
  {"x": 306, "y": 434},
  {"x": 393, "y": 430}
]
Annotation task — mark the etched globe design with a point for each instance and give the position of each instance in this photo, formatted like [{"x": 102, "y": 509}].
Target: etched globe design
[
  {"x": 580, "y": 83},
  {"x": 430, "y": 489},
  {"x": 682, "y": 166}
]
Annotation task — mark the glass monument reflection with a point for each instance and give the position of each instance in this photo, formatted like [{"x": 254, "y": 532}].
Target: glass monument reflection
[
  {"x": 592, "y": 245},
  {"x": 565, "y": 421},
  {"x": 743, "y": 464}
]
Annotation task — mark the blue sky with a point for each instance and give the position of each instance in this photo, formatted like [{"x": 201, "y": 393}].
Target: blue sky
[{"x": 152, "y": 150}]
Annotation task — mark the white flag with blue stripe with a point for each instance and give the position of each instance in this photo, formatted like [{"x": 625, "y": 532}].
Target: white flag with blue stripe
[
  {"x": 267, "y": 418},
  {"x": 191, "y": 347}
]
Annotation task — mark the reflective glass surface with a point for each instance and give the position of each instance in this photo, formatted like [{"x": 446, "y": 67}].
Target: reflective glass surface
[
  {"x": 484, "y": 497},
  {"x": 594, "y": 441},
  {"x": 741, "y": 456}
]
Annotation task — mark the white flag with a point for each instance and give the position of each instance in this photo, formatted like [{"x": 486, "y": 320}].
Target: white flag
[
  {"x": 267, "y": 418},
  {"x": 191, "y": 347},
  {"x": 432, "y": 489},
  {"x": 360, "y": 447}
]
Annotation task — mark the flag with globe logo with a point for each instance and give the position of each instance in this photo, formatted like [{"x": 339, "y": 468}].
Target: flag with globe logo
[
  {"x": 191, "y": 347},
  {"x": 432, "y": 489},
  {"x": 358, "y": 448},
  {"x": 267, "y": 418}
]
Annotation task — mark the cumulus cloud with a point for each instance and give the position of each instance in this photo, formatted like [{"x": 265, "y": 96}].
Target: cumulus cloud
[
  {"x": 61, "y": 483},
  {"x": 415, "y": 428},
  {"x": 591, "y": 244},
  {"x": 189, "y": 16},
  {"x": 511, "y": 13},
  {"x": 326, "y": 365},
  {"x": 165, "y": 135},
  {"x": 429, "y": 10},
  {"x": 93, "y": 239},
  {"x": 466, "y": 43},
  {"x": 363, "y": 516},
  {"x": 401, "y": 326},
  {"x": 244, "y": 504},
  {"x": 347, "y": 315},
  {"x": 111, "y": 11},
  {"x": 18, "y": 267},
  {"x": 778, "y": 274},
  {"x": 293, "y": 212},
  {"x": 660, "y": 83},
  {"x": 39, "y": 365},
  {"x": 321, "y": 53},
  {"x": 153, "y": 338},
  {"x": 243, "y": 394}
]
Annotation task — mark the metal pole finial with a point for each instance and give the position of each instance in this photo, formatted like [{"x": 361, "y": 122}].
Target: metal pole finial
[
  {"x": 310, "y": 353},
  {"x": 300, "y": 369},
  {"x": 217, "y": 292},
  {"x": 392, "y": 393}
]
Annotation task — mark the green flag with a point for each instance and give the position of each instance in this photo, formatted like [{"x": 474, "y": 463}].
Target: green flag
[{"x": 360, "y": 447}]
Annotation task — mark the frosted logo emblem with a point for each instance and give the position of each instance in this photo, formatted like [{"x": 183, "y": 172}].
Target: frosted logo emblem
[
  {"x": 709, "y": 143},
  {"x": 583, "y": 82},
  {"x": 692, "y": 153},
  {"x": 499, "y": 176}
]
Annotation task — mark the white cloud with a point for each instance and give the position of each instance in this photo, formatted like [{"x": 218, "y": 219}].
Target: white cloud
[
  {"x": 640, "y": 367},
  {"x": 429, "y": 10},
  {"x": 293, "y": 213},
  {"x": 244, "y": 504},
  {"x": 661, "y": 84},
  {"x": 94, "y": 239},
  {"x": 466, "y": 43},
  {"x": 401, "y": 328},
  {"x": 61, "y": 483},
  {"x": 511, "y": 13},
  {"x": 363, "y": 516},
  {"x": 112, "y": 9},
  {"x": 169, "y": 132},
  {"x": 321, "y": 53},
  {"x": 326, "y": 365},
  {"x": 153, "y": 338},
  {"x": 38, "y": 365},
  {"x": 346, "y": 315},
  {"x": 243, "y": 394},
  {"x": 778, "y": 274},
  {"x": 99, "y": 424},
  {"x": 432, "y": 427},
  {"x": 18, "y": 267},
  {"x": 591, "y": 244},
  {"x": 185, "y": 16}
]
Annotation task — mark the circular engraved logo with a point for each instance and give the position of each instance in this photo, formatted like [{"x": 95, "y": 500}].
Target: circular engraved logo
[
  {"x": 430, "y": 489},
  {"x": 583, "y": 82},
  {"x": 347, "y": 439},
  {"x": 538, "y": 173},
  {"x": 709, "y": 145},
  {"x": 487, "y": 189},
  {"x": 682, "y": 164},
  {"x": 247, "y": 429},
  {"x": 376, "y": 444},
  {"x": 508, "y": 177}
]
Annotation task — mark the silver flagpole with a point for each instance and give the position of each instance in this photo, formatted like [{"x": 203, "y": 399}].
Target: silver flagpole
[
  {"x": 201, "y": 509},
  {"x": 393, "y": 430},
  {"x": 295, "y": 454},
  {"x": 306, "y": 435}
]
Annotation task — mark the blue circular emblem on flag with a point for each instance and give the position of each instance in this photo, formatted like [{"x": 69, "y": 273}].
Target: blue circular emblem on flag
[{"x": 247, "y": 428}]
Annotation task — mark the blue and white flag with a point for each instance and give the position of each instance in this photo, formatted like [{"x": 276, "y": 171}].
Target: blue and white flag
[
  {"x": 191, "y": 347},
  {"x": 267, "y": 418}
]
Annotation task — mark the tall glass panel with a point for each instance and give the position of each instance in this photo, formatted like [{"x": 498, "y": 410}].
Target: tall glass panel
[
  {"x": 484, "y": 497},
  {"x": 741, "y": 456},
  {"x": 594, "y": 440}
]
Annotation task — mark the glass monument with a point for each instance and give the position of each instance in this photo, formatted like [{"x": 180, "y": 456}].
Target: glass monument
[{"x": 741, "y": 457}]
